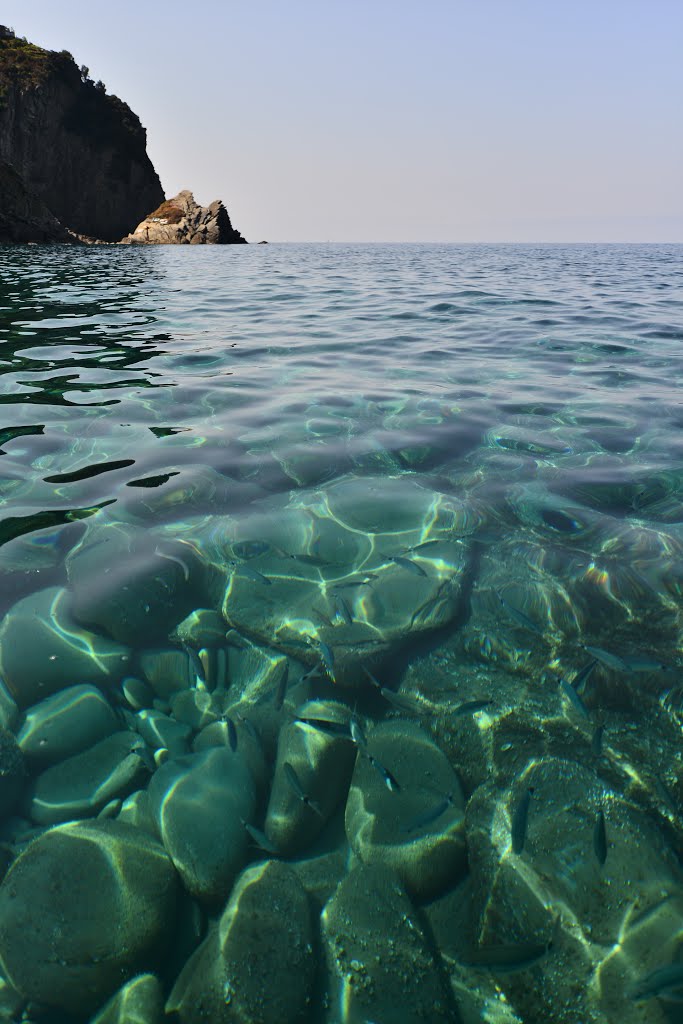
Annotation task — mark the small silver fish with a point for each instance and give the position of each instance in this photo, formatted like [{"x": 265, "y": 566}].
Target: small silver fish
[
  {"x": 596, "y": 741},
  {"x": 410, "y": 705},
  {"x": 195, "y": 662},
  {"x": 342, "y": 609},
  {"x": 519, "y": 617},
  {"x": 251, "y": 574},
  {"x": 573, "y": 698},
  {"x": 390, "y": 781},
  {"x": 600, "y": 838},
  {"x": 408, "y": 564},
  {"x": 430, "y": 816},
  {"x": 612, "y": 661},
  {"x": 249, "y": 726},
  {"x": 326, "y": 656},
  {"x": 356, "y": 581},
  {"x": 293, "y": 780},
  {"x": 357, "y": 734},
  {"x": 581, "y": 678},
  {"x": 260, "y": 838},
  {"x": 232, "y": 734}
]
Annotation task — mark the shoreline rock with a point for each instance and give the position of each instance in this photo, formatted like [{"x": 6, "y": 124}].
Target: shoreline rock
[{"x": 182, "y": 221}]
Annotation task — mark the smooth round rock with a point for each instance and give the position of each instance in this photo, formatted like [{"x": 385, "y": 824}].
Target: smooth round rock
[
  {"x": 86, "y": 906},
  {"x": 379, "y": 961},
  {"x": 128, "y": 587},
  {"x": 140, "y": 1001},
  {"x": 258, "y": 964},
  {"x": 9, "y": 712},
  {"x": 82, "y": 785},
  {"x": 198, "y": 803},
  {"x": 417, "y": 830},
  {"x": 159, "y": 730},
  {"x": 322, "y": 762},
  {"x": 43, "y": 649},
  {"x": 65, "y": 724}
]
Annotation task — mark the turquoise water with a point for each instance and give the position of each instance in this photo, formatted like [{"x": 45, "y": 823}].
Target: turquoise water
[{"x": 341, "y": 587}]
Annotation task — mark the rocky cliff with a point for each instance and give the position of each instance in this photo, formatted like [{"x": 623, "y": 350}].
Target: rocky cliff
[
  {"x": 181, "y": 221},
  {"x": 23, "y": 216},
  {"x": 79, "y": 150}
]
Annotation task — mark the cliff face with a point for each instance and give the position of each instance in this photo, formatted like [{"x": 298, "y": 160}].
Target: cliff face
[
  {"x": 24, "y": 217},
  {"x": 80, "y": 151},
  {"x": 181, "y": 221}
]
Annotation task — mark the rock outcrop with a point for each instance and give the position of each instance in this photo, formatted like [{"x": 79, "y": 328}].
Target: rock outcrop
[
  {"x": 73, "y": 147},
  {"x": 181, "y": 221}
]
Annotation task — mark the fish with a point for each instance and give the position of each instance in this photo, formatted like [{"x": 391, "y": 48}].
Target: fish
[
  {"x": 260, "y": 838},
  {"x": 520, "y": 821},
  {"x": 293, "y": 780},
  {"x": 573, "y": 697},
  {"x": 662, "y": 982},
  {"x": 471, "y": 707},
  {"x": 600, "y": 838},
  {"x": 390, "y": 781},
  {"x": 608, "y": 659},
  {"x": 310, "y": 673},
  {"x": 373, "y": 679},
  {"x": 281, "y": 689},
  {"x": 363, "y": 581},
  {"x": 249, "y": 726},
  {"x": 326, "y": 656},
  {"x": 519, "y": 617},
  {"x": 322, "y": 618},
  {"x": 644, "y": 663},
  {"x": 425, "y": 545},
  {"x": 596, "y": 741},
  {"x": 232, "y": 734},
  {"x": 251, "y": 574},
  {"x": 408, "y": 564},
  {"x": 342, "y": 609},
  {"x": 430, "y": 816},
  {"x": 250, "y": 548},
  {"x": 402, "y": 702},
  {"x": 581, "y": 678},
  {"x": 357, "y": 734},
  {"x": 195, "y": 662}
]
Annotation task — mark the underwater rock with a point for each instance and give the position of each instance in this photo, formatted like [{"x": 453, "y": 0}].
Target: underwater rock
[
  {"x": 139, "y": 1001},
  {"x": 135, "y": 811},
  {"x": 65, "y": 724},
  {"x": 159, "y": 730},
  {"x": 198, "y": 803},
  {"x": 204, "y": 627},
  {"x": 257, "y": 964},
  {"x": 347, "y": 574},
  {"x": 562, "y": 861},
  {"x": 82, "y": 785},
  {"x": 312, "y": 773},
  {"x": 128, "y": 587},
  {"x": 416, "y": 827},
  {"x": 167, "y": 671},
  {"x": 379, "y": 960},
  {"x": 43, "y": 649},
  {"x": 12, "y": 772},
  {"x": 84, "y": 907}
]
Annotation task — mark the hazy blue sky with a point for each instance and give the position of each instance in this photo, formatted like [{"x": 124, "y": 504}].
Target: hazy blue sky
[{"x": 434, "y": 120}]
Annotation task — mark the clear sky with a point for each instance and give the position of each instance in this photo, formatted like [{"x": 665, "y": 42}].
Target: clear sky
[{"x": 389, "y": 120}]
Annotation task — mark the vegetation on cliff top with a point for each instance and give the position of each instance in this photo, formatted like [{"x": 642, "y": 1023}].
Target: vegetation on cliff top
[{"x": 104, "y": 119}]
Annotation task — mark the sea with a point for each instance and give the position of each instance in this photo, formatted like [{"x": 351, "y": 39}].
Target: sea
[{"x": 341, "y": 634}]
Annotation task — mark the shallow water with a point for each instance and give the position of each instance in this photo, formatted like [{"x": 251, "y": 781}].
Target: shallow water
[{"x": 458, "y": 468}]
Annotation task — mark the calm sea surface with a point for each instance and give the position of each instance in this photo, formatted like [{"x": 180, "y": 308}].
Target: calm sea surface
[{"x": 344, "y": 584}]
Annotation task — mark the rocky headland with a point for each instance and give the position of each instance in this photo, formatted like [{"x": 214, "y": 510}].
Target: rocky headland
[{"x": 74, "y": 164}]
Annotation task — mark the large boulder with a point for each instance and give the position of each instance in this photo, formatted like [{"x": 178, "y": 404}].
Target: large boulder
[
  {"x": 182, "y": 221},
  {"x": 85, "y": 907}
]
